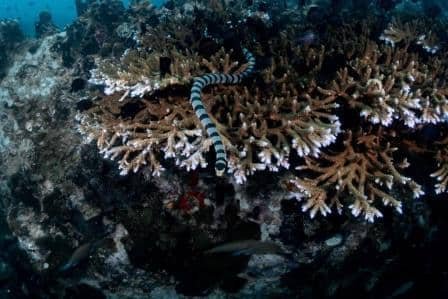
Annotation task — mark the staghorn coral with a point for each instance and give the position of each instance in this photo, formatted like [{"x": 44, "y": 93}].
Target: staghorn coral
[
  {"x": 360, "y": 175},
  {"x": 349, "y": 39},
  {"x": 259, "y": 129},
  {"x": 435, "y": 91},
  {"x": 169, "y": 127},
  {"x": 139, "y": 72},
  {"x": 295, "y": 108},
  {"x": 386, "y": 85},
  {"x": 415, "y": 31},
  {"x": 400, "y": 32},
  {"x": 259, "y": 132},
  {"x": 393, "y": 84},
  {"x": 72, "y": 195},
  {"x": 441, "y": 174},
  {"x": 429, "y": 42},
  {"x": 286, "y": 56}
]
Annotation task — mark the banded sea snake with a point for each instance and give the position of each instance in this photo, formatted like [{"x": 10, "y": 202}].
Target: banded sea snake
[{"x": 195, "y": 99}]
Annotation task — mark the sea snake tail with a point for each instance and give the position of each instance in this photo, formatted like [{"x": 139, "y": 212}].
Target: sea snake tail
[{"x": 195, "y": 99}]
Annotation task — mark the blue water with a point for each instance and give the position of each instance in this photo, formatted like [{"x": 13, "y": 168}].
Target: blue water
[{"x": 27, "y": 11}]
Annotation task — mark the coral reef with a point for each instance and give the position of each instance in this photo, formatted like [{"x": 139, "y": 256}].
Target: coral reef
[
  {"x": 411, "y": 32},
  {"x": 394, "y": 85},
  {"x": 363, "y": 173},
  {"x": 259, "y": 132},
  {"x": 441, "y": 174},
  {"x": 94, "y": 32},
  {"x": 138, "y": 73},
  {"x": 290, "y": 115},
  {"x": 335, "y": 122}
]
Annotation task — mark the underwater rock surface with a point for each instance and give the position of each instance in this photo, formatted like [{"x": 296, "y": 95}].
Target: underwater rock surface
[{"x": 73, "y": 225}]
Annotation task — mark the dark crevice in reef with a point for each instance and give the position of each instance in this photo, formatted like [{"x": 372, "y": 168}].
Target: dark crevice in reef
[{"x": 167, "y": 245}]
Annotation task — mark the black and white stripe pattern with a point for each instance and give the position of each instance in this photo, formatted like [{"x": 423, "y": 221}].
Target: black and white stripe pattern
[{"x": 195, "y": 99}]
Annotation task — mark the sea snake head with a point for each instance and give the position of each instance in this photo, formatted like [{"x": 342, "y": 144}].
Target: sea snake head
[{"x": 220, "y": 168}]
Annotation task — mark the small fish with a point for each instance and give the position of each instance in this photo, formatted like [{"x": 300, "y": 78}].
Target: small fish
[
  {"x": 247, "y": 247},
  {"x": 308, "y": 38},
  {"x": 81, "y": 253}
]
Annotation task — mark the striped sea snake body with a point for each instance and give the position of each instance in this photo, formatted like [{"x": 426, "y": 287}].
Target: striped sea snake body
[{"x": 195, "y": 99}]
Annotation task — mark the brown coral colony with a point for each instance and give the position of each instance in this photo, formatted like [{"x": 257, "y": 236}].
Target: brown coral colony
[{"x": 334, "y": 132}]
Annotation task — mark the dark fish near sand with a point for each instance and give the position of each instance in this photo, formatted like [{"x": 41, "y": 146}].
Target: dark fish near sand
[
  {"x": 308, "y": 38},
  {"x": 80, "y": 254},
  {"x": 247, "y": 247}
]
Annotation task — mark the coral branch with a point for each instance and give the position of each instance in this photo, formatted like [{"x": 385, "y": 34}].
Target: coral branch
[{"x": 361, "y": 174}]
